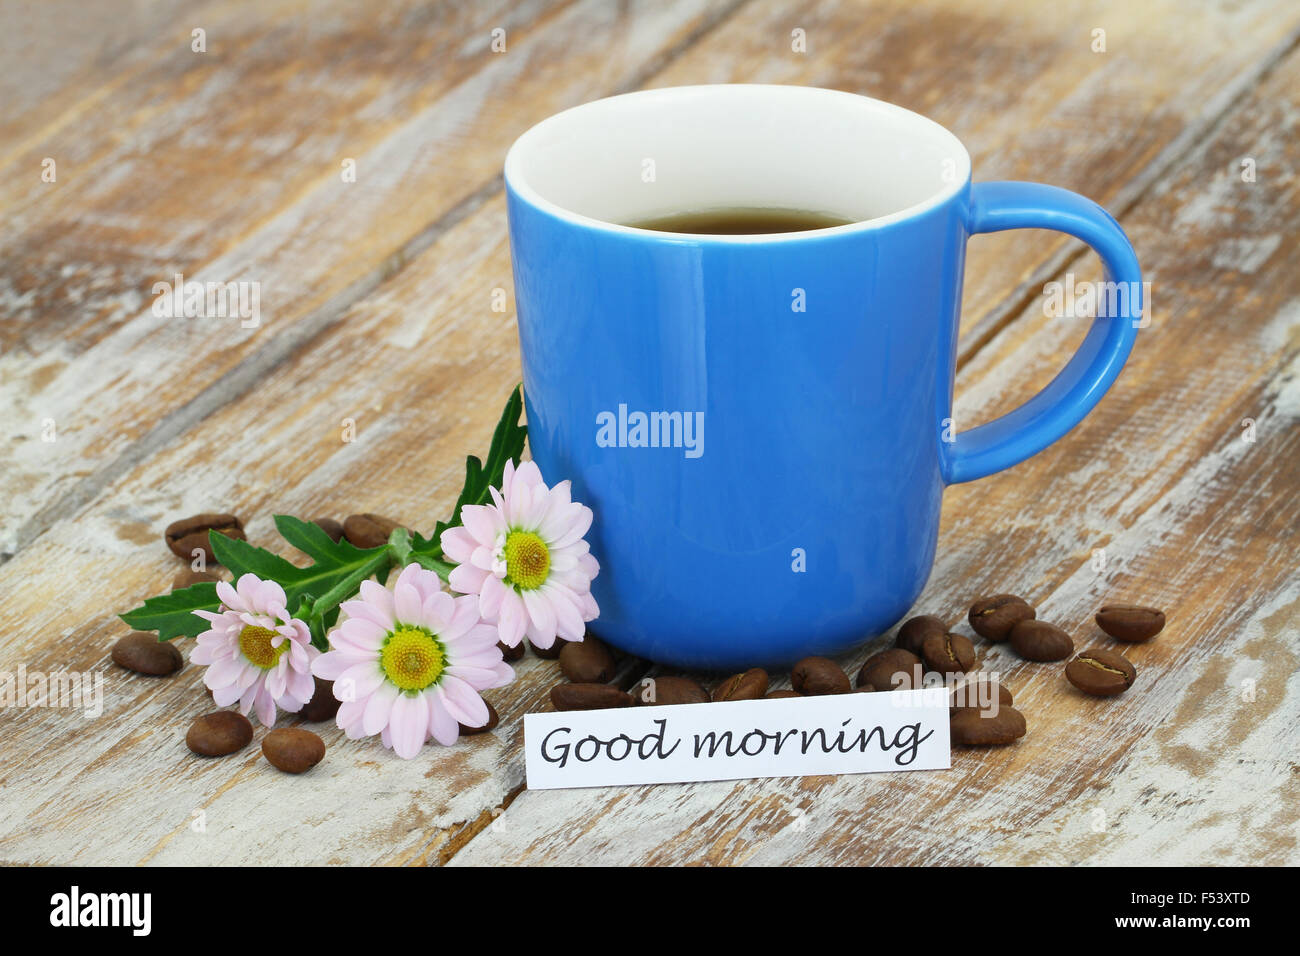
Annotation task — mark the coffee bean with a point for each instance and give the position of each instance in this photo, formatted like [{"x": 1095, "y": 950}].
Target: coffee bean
[
  {"x": 492, "y": 721},
  {"x": 751, "y": 685},
  {"x": 368, "y": 530},
  {"x": 587, "y": 661},
  {"x": 588, "y": 697},
  {"x": 218, "y": 734},
  {"x": 293, "y": 749},
  {"x": 656, "y": 691},
  {"x": 892, "y": 669},
  {"x": 814, "y": 676},
  {"x": 331, "y": 527},
  {"x": 948, "y": 653},
  {"x": 1101, "y": 673},
  {"x": 915, "y": 630},
  {"x": 145, "y": 654},
  {"x": 323, "y": 704},
  {"x": 189, "y": 577},
  {"x": 978, "y": 691},
  {"x": 993, "y": 617},
  {"x": 552, "y": 652},
  {"x": 186, "y": 536},
  {"x": 782, "y": 695},
  {"x": 511, "y": 654},
  {"x": 1039, "y": 641},
  {"x": 971, "y": 727},
  {"x": 1130, "y": 623}
]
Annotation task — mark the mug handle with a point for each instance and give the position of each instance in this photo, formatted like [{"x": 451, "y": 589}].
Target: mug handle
[{"x": 1064, "y": 402}]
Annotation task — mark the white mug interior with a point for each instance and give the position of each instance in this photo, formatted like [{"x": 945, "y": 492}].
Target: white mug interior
[{"x": 654, "y": 153}]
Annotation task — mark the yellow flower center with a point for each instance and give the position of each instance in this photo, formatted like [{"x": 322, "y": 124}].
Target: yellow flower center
[
  {"x": 412, "y": 658},
  {"x": 255, "y": 644},
  {"x": 527, "y": 560}
]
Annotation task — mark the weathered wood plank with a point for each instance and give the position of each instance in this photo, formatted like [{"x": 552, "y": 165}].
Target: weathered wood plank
[
  {"x": 55, "y": 54},
  {"x": 1189, "y": 765},
  {"x": 117, "y": 381}
]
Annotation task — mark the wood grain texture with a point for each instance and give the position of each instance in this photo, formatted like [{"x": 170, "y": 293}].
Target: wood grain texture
[
  {"x": 1187, "y": 767},
  {"x": 418, "y": 359},
  {"x": 427, "y": 123}
]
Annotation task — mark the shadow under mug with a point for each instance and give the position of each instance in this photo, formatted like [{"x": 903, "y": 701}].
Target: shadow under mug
[{"x": 762, "y": 423}]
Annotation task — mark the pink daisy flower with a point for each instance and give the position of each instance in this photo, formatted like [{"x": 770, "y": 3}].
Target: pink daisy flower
[
  {"x": 526, "y": 559},
  {"x": 255, "y": 652},
  {"x": 408, "y": 663}
]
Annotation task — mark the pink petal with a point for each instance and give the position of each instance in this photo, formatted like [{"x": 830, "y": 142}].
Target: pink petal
[
  {"x": 576, "y": 529},
  {"x": 330, "y": 665},
  {"x": 363, "y": 611},
  {"x": 265, "y": 705},
  {"x": 542, "y": 617},
  {"x": 408, "y": 724},
  {"x": 379, "y": 709},
  {"x": 379, "y": 597},
  {"x": 463, "y": 702},
  {"x": 406, "y": 600},
  {"x": 230, "y": 597},
  {"x": 529, "y": 474},
  {"x": 568, "y": 618},
  {"x": 481, "y": 522},
  {"x": 458, "y": 544},
  {"x": 467, "y": 579},
  {"x": 442, "y": 725},
  {"x": 490, "y": 597},
  {"x": 512, "y": 621}
]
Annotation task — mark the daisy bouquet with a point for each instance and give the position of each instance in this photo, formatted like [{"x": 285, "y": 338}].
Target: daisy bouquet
[{"x": 408, "y": 658}]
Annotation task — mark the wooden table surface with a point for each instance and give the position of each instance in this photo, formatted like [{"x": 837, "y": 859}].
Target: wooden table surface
[{"x": 376, "y": 302}]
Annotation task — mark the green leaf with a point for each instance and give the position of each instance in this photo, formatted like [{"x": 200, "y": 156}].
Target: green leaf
[
  {"x": 172, "y": 615},
  {"x": 311, "y": 539},
  {"x": 313, "y": 593},
  {"x": 507, "y": 445}
]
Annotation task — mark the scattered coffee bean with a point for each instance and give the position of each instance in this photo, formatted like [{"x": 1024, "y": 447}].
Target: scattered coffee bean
[
  {"x": 190, "y": 534},
  {"x": 587, "y": 661},
  {"x": 656, "y": 691},
  {"x": 865, "y": 689},
  {"x": 1039, "y": 641},
  {"x": 331, "y": 527},
  {"x": 751, "y": 685},
  {"x": 1130, "y": 623},
  {"x": 189, "y": 577},
  {"x": 323, "y": 704},
  {"x": 782, "y": 695},
  {"x": 814, "y": 676},
  {"x": 971, "y": 727},
  {"x": 368, "y": 530},
  {"x": 1101, "y": 673},
  {"x": 145, "y": 654},
  {"x": 915, "y": 630},
  {"x": 293, "y": 749},
  {"x": 588, "y": 697},
  {"x": 892, "y": 669},
  {"x": 978, "y": 692},
  {"x": 948, "y": 653},
  {"x": 552, "y": 652},
  {"x": 218, "y": 734},
  {"x": 492, "y": 721},
  {"x": 993, "y": 617},
  {"x": 511, "y": 654}
]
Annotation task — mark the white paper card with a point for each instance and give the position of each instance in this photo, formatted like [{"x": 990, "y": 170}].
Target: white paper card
[{"x": 797, "y": 736}]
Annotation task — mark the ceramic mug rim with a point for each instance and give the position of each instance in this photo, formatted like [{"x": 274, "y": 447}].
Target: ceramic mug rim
[{"x": 518, "y": 182}]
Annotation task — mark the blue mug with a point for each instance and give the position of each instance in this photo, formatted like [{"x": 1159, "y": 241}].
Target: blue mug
[{"x": 762, "y": 423}]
